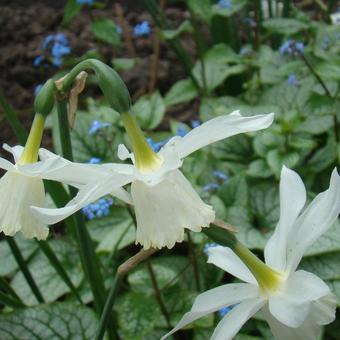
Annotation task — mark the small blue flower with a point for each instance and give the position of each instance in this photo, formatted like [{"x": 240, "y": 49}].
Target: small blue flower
[
  {"x": 59, "y": 50},
  {"x": 207, "y": 246},
  {"x": 292, "y": 80},
  {"x": 96, "y": 125},
  {"x": 224, "y": 4},
  {"x": 98, "y": 209},
  {"x": 38, "y": 60},
  {"x": 245, "y": 50},
  {"x": 211, "y": 187},
  {"x": 58, "y": 46},
  {"x": 181, "y": 130},
  {"x": 37, "y": 89},
  {"x": 119, "y": 29},
  {"x": 195, "y": 123},
  {"x": 224, "y": 311},
  {"x": 47, "y": 41},
  {"x": 220, "y": 175},
  {"x": 249, "y": 22},
  {"x": 85, "y": 2},
  {"x": 142, "y": 29},
  {"x": 156, "y": 146},
  {"x": 292, "y": 47},
  {"x": 94, "y": 160}
]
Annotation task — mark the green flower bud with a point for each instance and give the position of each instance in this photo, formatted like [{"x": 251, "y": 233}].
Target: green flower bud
[
  {"x": 44, "y": 101},
  {"x": 221, "y": 236}
]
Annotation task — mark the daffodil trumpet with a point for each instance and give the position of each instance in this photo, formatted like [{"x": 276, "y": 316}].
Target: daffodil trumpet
[{"x": 165, "y": 201}]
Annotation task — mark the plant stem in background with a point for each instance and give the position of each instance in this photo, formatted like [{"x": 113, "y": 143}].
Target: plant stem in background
[
  {"x": 10, "y": 301},
  {"x": 24, "y": 269},
  {"x": 286, "y": 8},
  {"x": 270, "y": 8},
  {"x": 86, "y": 249},
  {"x": 158, "y": 293},
  {"x": 13, "y": 120},
  {"x": 194, "y": 263},
  {"x": 108, "y": 306},
  {"x": 5, "y": 286},
  {"x": 158, "y": 17},
  {"x": 329, "y": 95},
  {"x": 257, "y": 10},
  {"x": 45, "y": 247}
]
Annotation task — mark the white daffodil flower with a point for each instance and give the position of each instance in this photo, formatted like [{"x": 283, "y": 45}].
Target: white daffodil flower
[
  {"x": 295, "y": 303},
  {"x": 22, "y": 185},
  {"x": 165, "y": 201}
]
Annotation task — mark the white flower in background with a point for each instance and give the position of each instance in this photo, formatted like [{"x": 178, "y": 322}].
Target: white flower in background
[
  {"x": 295, "y": 303},
  {"x": 165, "y": 201},
  {"x": 22, "y": 185}
]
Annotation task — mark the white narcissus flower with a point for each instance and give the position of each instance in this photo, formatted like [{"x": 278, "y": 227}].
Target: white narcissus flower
[
  {"x": 165, "y": 201},
  {"x": 295, "y": 303},
  {"x": 22, "y": 186}
]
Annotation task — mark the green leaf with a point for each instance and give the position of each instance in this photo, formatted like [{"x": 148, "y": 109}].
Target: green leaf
[
  {"x": 234, "y": 192},
  {"x": 259, "y": 168},
  {"x": 236, "y": 6},
  {"x": 181, "y": 92},
  {"x": 185, "y": 26},
  {"x": 264, "y": 205},
  {"x": 219, "y": 64},
  {"x": 166, "y": 269},
  {"x": 137, "y": 315},
  {"x": 285, "y": 26},
  {"x": 58, "y": 321},
  {"x": 252, "y": 237},
  {"x": 202, "y": 8},
  {"x": 325, "y": 266},
  {"x": 27, "y": 248},
  {"x": 316, "y": 124},
  {"x": 71, "y": 9},
  {"x": 328, "y": 242},
  {"x": 124, "y": 63},
  {"x": 114, "y": 231},
  {"x": 150, "y": 110},
  {"x": 277, "y": 159},
  {"x": 105, "y": 30},
  {"x": 50, "y": 284},
  {"x": 328, "y": 71}
]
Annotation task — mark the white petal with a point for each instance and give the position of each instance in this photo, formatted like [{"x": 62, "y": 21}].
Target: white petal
[
  {"x": 315, "y": 221},
  {"x": 229, "y": 326},
  {"x": 292, "y": 200},
  {"x": 165, "y": 209},
  {"x": 215, "y": 299},
  {"x": 323, "y": 310},
  {"x": 123, "y": 153},
  {"x": 16, "y": 151},
  {"x": 5, "y": 164},
  {"x": 217, "y": 129},
  {"x": 18, "y": 193},
  {"x": 309, "y": 330},
  {"x": 227, "y": 260},
  {"x": 292, "y": 305},
  {"x": 86, "y": 195}
]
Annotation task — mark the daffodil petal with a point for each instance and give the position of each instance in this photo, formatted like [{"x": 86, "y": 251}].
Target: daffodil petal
[
  {"x": 227, "y": 260},
  {"x": 87, "y": 194},
  {"x": 217, "y": 129},
  {"x": 5, "y": 164},
  {"x": 229, "y": 326},
  {"x": 315, "y": 221},
  {"x": 292, "y": 200},
  {"x": 16, "y": 151},
  {"x": 215, "y": 299}
]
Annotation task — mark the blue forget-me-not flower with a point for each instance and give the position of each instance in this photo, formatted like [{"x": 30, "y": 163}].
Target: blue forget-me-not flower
[
  {"x": 292, "y": 47},
  {"x": 97, "y": 125},
  {"x": 94, "y": 160},
  {"x": 98, "y": 209},
  {"x": 85, "y": 2},
  {"x": 224, "y": 4},
  {"x": 292, "y": 80},
  {"x": 142, "y": 29}
]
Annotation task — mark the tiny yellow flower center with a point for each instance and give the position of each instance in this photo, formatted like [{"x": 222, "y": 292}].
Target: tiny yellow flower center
[
  {"x": 268, "y": 279},
  {"x": 146, "y": 159},
  {"x": 31, "y": 150}
]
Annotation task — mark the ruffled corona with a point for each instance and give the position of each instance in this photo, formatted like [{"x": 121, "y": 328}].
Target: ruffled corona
[{"x": 19, "y": 192}]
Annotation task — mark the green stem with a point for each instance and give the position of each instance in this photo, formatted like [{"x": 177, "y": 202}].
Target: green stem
[
  {"x": 24, "y": 269},
  {"x": 193, "y": 259},
  {"x": 158, "y": 293},
  {"x": 270, "y": 8},
  {"x": 45, "y": 247},
  {"x": 87, "y": 254},
  {"x": 105, "y": 317},
  {"x": 328, "y": 93},
  {"x": 5, "y": 286},
  {"x": 13, "y": 120},
  {"x": 10, "y": 301}
]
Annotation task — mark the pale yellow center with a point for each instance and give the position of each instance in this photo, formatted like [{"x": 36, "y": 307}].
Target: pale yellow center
[
  {"x": 146, "y": 160},
  {"x": 31, "y": 150}
]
